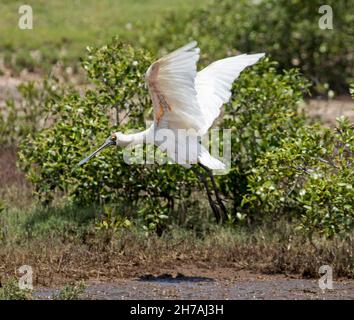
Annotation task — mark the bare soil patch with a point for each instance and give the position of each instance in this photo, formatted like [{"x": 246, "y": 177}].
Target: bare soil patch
[
  {"x": 327, "y": 111},
  {"x": 192, "y": 282}
]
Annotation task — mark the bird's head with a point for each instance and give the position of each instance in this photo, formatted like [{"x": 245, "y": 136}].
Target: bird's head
[{"x": 110, "y": 141}]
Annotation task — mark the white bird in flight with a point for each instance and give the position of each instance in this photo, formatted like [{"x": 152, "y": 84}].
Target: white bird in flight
[
  {"x": 184, "y": 99},
  {"x": 189, "y": 101}
]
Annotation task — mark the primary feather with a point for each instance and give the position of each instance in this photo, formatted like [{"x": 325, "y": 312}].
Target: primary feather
[{"x": 213, "y": 84}]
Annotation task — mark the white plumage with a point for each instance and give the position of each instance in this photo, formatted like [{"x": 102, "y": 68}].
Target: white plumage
[
  {"x": 172, "y": 78},
  {"x": 186, "y": 99},
  {"x": 213, "y": 84}
]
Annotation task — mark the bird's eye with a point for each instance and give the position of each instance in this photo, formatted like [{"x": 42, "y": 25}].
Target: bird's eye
[{"x": 114, "y": 137}]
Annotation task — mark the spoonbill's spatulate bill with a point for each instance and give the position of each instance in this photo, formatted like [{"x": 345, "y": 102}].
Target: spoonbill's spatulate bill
[
  {"x": 186, "y": 99},
  {"x": 107, "y": 143}
]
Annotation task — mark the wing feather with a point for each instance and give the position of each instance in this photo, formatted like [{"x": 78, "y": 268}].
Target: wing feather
[
  {"x": 171, "y": 83},
  {"x": 213, "y": 84}
]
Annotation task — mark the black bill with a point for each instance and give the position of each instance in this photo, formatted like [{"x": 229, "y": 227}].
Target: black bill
[{"x": 107, "y": 143}]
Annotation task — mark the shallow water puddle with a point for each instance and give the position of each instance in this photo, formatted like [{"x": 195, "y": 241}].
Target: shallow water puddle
[{"x": 206, "y": 288}]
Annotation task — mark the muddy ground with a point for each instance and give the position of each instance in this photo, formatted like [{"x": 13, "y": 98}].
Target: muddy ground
[{"x": 219, "y": 284}]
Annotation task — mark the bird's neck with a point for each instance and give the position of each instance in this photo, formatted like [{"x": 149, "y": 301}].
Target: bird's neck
[{"x": 134, "y": 138}]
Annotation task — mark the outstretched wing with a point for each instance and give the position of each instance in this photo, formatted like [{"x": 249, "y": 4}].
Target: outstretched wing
[
  {"x": 171, "y": 86},
  {"x": 213, "y": 84}
]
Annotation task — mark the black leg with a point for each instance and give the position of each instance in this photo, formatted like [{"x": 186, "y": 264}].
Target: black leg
[
  {"x": 210, "y": 198},
  {"x": 216, "y": 191}
]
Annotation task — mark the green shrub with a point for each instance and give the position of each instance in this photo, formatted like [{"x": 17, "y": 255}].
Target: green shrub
[
  {"x": 82, "y": 122},
  {"x": 10, "y": 291},
  {"x": 262, "y": 112},
  {"x": 279, "y": 165},
  {"x": 72, "y": 291},
  {"x": 287, "y": 30},
  {"x": 25, "y": 117},
  {"x": 310, "y": 176}
]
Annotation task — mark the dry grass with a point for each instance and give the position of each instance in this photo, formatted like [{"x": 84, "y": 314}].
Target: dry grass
[
  {"x": 9, "y": 175},
  {"x": 14, "y": 189},
  {"x": 132, "y": 253}
]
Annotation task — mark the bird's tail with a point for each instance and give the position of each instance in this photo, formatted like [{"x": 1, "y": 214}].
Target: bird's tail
[{"x": 206, "y": 159}]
